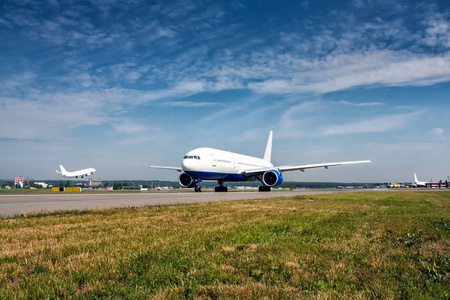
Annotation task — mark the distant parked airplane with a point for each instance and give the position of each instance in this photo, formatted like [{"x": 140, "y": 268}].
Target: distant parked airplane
[
  {"x": 75, "y": 174},
  {"x": 212, "y": 164},
  {"x": 419, "y": 183}
]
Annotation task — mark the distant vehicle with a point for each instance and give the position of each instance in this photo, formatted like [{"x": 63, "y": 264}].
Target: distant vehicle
[
  {"x": 75, "y": 174},
  {"x": 212, "y": 164},
  {"x": 419, "y": 183}
]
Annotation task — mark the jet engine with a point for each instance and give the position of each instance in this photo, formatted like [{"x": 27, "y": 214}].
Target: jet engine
[
  {"x": 187, "y": 181},
  {"x": 272, "y": 178}
]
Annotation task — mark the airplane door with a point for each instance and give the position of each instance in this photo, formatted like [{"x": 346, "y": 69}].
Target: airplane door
[{"x": 213, "y": 160}]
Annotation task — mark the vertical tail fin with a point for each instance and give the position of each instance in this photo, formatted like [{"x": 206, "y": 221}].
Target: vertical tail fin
[
  {"x": 63, "y": 171},
  {"x": 268, "y": 152},
  {"x": 415, "y": 178}
]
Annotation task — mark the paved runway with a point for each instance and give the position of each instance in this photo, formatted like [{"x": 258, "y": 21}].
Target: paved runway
[{"x": 16, "y": 204}]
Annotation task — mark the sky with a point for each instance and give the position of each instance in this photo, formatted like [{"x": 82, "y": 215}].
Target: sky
[{"x": 123, "y": 85}]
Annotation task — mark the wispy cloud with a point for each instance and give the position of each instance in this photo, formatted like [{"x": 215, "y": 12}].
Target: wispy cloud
[
  {"x": 415, "y": 148},
  {"x": 344, "y": 102},
  {"x": 437, "y": 132},
  {"x": 42, "y": 115},
  {"x": 380, "y": 124},
  {"x": 137, "y": 140},
  {"x": 342, "y": 72},
  {"x": 188, "y": 104},
  {"x": 128, "y": 127}
]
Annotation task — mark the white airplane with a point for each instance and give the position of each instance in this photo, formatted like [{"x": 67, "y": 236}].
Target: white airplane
[
  {"x": 212, "y": 164},
  {"x": 75, "y": 174},
  {"x": 419, "y": 183}
]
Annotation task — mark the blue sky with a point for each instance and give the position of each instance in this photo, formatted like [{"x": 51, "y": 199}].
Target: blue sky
[{"x": 122, "y": 85}]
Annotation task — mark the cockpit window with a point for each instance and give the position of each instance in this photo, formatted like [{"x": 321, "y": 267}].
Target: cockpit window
[{"x": 191, "y": 157}]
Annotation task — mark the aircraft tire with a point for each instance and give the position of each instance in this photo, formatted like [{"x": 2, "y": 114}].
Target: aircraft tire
[
  {"x": 264, "y": 188},
  {"x": 221, "y": 189}
]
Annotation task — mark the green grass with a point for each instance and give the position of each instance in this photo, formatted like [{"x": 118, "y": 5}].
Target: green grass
[{"x": 351, "y": 245}]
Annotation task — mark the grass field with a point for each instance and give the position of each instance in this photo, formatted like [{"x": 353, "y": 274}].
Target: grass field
[{"x": 352, "y": 245}]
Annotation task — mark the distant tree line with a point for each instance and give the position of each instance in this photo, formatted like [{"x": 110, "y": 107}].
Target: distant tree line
[{"x": 127, "y": 184}]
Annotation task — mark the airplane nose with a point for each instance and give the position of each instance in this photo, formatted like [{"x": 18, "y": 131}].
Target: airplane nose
[
  {"x": 185, "y": 165},
  {"x": 188, "y": 165}
]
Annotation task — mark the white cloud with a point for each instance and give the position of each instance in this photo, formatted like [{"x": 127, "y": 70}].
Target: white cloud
[
  {"x": 128, "y": 127},
  {"x": 344, "y": 102},
  {"x": 133, "y": 76},
  {"x": 437, "y": 132},
  {"x": 380, "y": 124},
  {"x": 45, "y": 115},
  {"x": 346, "y": 71},
  {"x": 295, "y": 122},
  {"x": 191, "y": 86},
  {"x": 166, "y": 32},
  {"x": 137, "y": 140},
  {"x": 437, "y": 32},
  {"x": 188, "y": 104},
  {"x": 404, "y": 149}
]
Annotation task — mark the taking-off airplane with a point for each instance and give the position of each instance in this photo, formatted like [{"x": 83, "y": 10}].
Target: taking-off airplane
[
  {"x": 213, "y": 164},
  {"x": 75, "y": 174}
]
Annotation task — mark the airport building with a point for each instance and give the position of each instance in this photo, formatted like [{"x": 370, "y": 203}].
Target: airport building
[
  {"x": 437, "y": 185},
  {"x": 95, "y": 182}
]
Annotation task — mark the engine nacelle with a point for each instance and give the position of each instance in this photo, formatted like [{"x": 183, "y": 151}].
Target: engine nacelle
[
  {"x": 272, "y": 178},
  {"x": 186, "y": 181}
]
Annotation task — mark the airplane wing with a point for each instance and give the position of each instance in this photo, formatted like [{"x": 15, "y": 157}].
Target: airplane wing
[
  {"x": 168, "y": 168},
  {"x": 301, "y": 167}
]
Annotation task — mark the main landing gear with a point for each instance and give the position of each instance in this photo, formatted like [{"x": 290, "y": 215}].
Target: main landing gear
[
  {"x": 264, "y": 188},
  {"x": 198, "y": 189},
  {"x": 221, "y": 187}
]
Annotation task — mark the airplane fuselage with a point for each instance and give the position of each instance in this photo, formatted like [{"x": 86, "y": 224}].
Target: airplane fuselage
[
  {"x": 214, "y": 164},
  {"x": 80, "y": 173}
]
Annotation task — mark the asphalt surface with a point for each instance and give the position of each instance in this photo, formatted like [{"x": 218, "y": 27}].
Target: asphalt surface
[{"x": 17, "y": 204}]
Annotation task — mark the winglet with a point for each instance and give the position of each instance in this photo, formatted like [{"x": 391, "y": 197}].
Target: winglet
[{"x": 268, "y": 152}]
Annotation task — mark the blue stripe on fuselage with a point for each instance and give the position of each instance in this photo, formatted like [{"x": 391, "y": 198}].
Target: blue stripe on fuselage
[{"x": 217, "y": 176}]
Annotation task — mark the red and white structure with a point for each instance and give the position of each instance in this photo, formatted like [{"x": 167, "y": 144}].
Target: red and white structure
[{"x": 18, "y": 182}]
